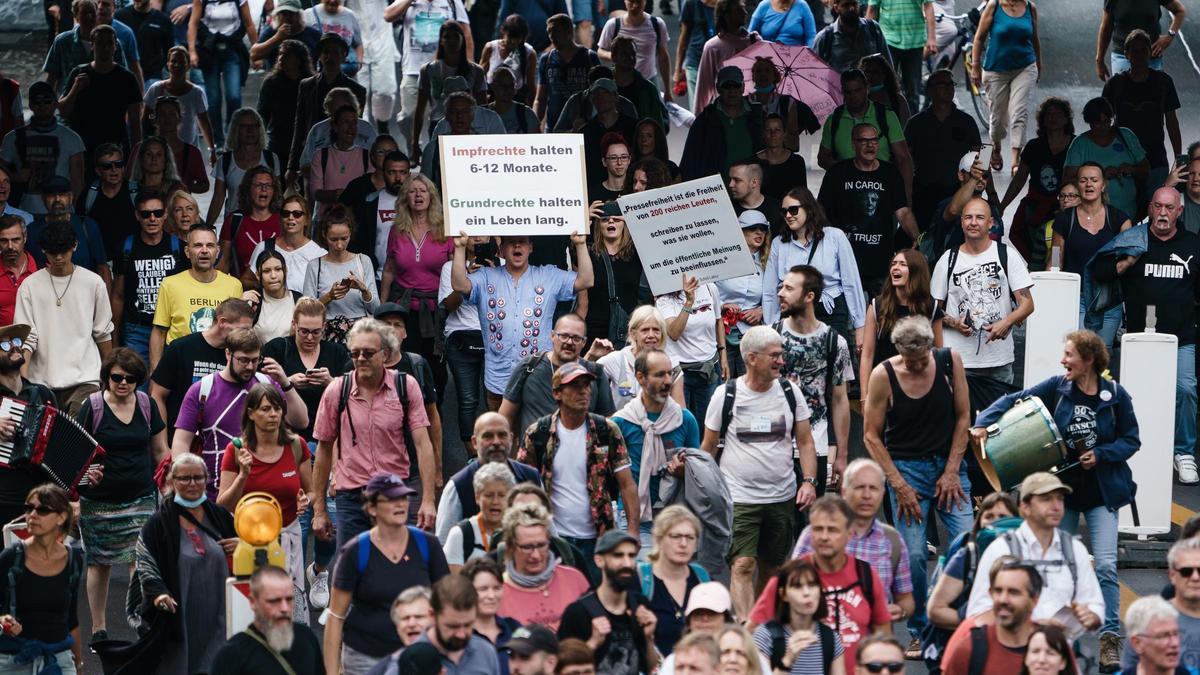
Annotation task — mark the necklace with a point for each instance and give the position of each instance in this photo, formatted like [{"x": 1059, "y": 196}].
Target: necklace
[{"x": 57, "y": 297}]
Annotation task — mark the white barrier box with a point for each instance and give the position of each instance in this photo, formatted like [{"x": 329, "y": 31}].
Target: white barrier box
[
  {"x": 1148, "y": 365},
  {"x": 1056, "y": 297}
]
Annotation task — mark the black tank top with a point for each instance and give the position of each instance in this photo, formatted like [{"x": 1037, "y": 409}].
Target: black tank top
[{"x": 920, "y": 427}]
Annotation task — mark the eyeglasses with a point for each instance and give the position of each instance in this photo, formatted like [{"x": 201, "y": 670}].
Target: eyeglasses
[
  {"x": 1165, "y": 636},
  {"x": 880, "y": 666},
  {"x": 42, "y": 509},
  {"x": 568, "y": 337},
  {"x": 118, "y": 378},
  {"x": 108, "y": 166},
  {"x": 289, "y": 213},
  {"x": 262, "y": 186},
  {"x": 1187, "y": 572},
  {"x": 189, "y": 479},
  {"x": 366, "y": 354},
  {"x": 310, "y": 332},
  {"x": 11, "y": 344},
  {"x": 247, "y": 360},
  {"x": 534, "y": 548},
  {"x": 1068, "y": 195},
  {"x": 148, "y": 213},
  {"x": 793, "y": 210},
  {"x": 617, "y": 158},
  {"x": 870, "y": 140}
]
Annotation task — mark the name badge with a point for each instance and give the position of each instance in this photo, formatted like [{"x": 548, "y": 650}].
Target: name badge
[{"x": 760, "y": 424}]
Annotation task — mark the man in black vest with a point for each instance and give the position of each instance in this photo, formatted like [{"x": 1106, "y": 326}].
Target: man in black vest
[{"x": 492, "y": 442}]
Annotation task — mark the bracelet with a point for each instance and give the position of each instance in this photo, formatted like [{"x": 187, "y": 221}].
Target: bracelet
[
  {"x": 688, "y": 310},
  {"x": 290, "y": 386},
  {"x": 341, "y": 617}
]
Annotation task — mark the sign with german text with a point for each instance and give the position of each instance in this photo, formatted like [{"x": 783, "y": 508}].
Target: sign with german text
[
  {"x": 688, "y": 228},
  {"x": 529, "y": 184}
]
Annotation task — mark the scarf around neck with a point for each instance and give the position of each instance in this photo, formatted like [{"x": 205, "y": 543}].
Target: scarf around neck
[{"x": 654, "y": 454}]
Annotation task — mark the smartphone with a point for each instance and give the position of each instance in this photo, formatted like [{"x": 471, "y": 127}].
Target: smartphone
[
  {"x": 1181, "y": 160},
  {"x": 311, "y": 371}
]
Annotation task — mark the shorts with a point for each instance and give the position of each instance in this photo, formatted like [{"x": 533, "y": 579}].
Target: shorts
[
  {"x": 763, "y": 531},
  {"x": 583, "y": 10}
]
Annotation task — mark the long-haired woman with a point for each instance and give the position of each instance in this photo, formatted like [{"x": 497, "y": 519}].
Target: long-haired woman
[
  {"x": 648, "y": 173},
  {"x": 800, "y": 607},
  {"x": 905, "y": 294},
  {"x": 153, "y": 166},
  {"x": 1049, "y": 652},
  {"x": 272, "y": 300},
  {"x": 184, "y": 212},
  {"x": 647, "y": 330},
  {"x": 618, "y": 278},
  {"x": 277, "y": 97},
  {"x": 885, "y": 85},
  {"x": 245, "y": 148},
  {"x": 292, "y": 242},
  {"x": 269, "y": 458},
  {"x": 650, "y": 140},
  {"x": 343, "y": 281}
]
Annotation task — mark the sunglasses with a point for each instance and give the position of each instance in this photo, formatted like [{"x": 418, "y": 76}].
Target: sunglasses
[
  {"x": 42, "y": 509},
  {"x": 106, "y": 166},
  {"x": 11, "y": 344},
  {"x": 1187, "y": 572},
  {"x": 363, "y": 353},
  {"x": 879, "y": 666},
  {"x": 793, "y": 210},
  {"x": 147, "y": 213},
  {"x": 118, "y": 378},
  {"x": 289, "y": 213}
]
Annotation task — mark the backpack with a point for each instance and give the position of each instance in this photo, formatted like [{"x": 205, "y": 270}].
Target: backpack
[
  {"x": 1066, "y": 544},
  {"x": 74, "y": 571},
  {"x": 646, "y": 576},
  {"x": 881, "y": 120},
  {"x": 1001, "y": 252},
  {"x": 727, "y": 408},
  {"x": 176, "y": 248},
  {"x": 527, "y": 365},
  {"x": 324, "y": 155},
  {"x": 401, "y": 393},
  {"x": 362, "y": 547},
  {"x": 654, "y": 21},
  {"x": 542, "y": 430},
  {"x": 779, "y": 645},
  {"x": 863, "y": 571},
  {"x": 96, "y": 401}
]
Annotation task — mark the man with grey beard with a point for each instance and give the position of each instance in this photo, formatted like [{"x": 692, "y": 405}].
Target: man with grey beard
[{"x": 272, "y": 639}]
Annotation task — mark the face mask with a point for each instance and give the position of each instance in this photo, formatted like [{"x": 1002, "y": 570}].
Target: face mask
[
  {"x": 190, "y": 503},
  {"x": 765, "y": 89},
  {"x": 876, "y": 88}
]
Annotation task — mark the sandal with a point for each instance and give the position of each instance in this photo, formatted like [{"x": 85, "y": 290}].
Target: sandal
[{"x": 997, "y": 161}]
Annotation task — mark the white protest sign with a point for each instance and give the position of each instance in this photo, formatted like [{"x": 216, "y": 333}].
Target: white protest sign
[
  {"x": 529, "y": 184},
  {"x": 688, "y": 228}
]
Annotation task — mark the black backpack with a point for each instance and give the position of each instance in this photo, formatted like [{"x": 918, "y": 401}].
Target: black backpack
[
  {"x": 727, "y": 408},
  {"x": 779, "y": 645},
  {"x": 401, "y": 393},
  {"x": 1001, "y": 252}
]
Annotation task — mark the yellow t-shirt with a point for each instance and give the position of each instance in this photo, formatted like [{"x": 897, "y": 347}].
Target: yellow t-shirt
[{"x": 187, "y": 306}]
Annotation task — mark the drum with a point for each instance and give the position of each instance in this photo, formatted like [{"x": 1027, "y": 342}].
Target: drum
[{"x": 1025, "y": 440}]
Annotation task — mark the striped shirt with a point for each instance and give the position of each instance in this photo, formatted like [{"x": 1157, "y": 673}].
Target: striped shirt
[
  {"x": 903, "y": 22},
  {"x": 809, "y": 661}
]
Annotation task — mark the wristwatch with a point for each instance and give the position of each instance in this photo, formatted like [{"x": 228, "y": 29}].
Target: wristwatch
[
  {"x": 689, "y": 310},
  {"x": 1172, "y": 33},
  {"x": 810, "y": 480},
  {"x": 290, "y": 386}
]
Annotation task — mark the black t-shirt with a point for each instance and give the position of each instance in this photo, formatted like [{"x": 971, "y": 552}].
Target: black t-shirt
[
  {"x": 332, "y": 355},
  {"x": 184, "y": 362},
  {"x": 1080, "y": 244},
  {"x": 16, "y": 482},
  {"x": 244, "y": 654},
  {"x": 597, "y": 192},
  {"x": 1130, "y": 14},
  {"x": 1141, "y": 106},
  {"x": 99, "y": 114},
  {"x": 623, "y": 651},
  {"x": 277, "y": 106},
  {"x": 779, "y": 179},
  {"x": 863, "y": 204},
  {"x": 550, "y": 250},
  {"x": 128, "y": 460},
  {"x": 938, "y": 145},
  {"x": 770, "y": 208},
  {"x": 114, "y": 216},
  {"x": 144, "y": 269},
  {"x": 1163, "y": 277},
  {"x": 1081, "y": 432},
  {"x": 627, "y": 276},
  {"x": 368, "y": 627},
  {"x": 1045, "y": 167},
  {"x": 155, "y": 35}
]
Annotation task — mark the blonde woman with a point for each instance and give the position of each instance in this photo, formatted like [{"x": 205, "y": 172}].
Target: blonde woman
[
  {"x": 739, "y": 654},
  {"x": 183, "y": 212},
  {"x": 292, "y": 243},
  {"x": 647, "y": 330},
  {"x": 668, "y": 579},
  {"x": 417, "y": 250}
]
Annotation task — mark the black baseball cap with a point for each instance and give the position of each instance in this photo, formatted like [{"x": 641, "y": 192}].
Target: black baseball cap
[
  {"x": 531, "y": 639},
  {"x": 389, "y": 308}
]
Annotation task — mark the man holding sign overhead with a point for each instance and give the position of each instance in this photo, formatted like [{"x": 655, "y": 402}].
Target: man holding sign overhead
[{"x": 516, "y": 303}]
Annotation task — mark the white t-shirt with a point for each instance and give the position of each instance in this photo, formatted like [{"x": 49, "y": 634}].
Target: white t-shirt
[
  {"x": 193, "y": 104},
  {"x": 275, "y": 318},
  {"x": 569, "y": 499},
  {"x": 645, "y": 40},
  {"x": 979, "y": 293},
  {"x": 465, "y": 317},
  {"x": 699, "y": 339},
  {"x": 757, "y": 462},
  {"x": 297, "y": 262},
  {"x": 422, "y": 23},
  {"x": 344, "y": 24},
  {"x": 385, "y": 219}
]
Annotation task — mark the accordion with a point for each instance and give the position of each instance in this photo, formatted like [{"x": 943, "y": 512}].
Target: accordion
[{"x": 48, "y": 438}]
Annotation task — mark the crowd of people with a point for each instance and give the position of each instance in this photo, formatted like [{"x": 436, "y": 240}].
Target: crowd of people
[{"x": 656, "y": 483}]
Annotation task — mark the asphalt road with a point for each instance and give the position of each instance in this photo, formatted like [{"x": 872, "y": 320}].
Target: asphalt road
[{"x": 1067, "y": 29}]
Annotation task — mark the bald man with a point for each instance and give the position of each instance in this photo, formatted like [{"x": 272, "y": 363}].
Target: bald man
[
  {"x": 983, "y": 286},
  {"x": 1162, "y": 276},
  {"x": 492, "y": 441}
]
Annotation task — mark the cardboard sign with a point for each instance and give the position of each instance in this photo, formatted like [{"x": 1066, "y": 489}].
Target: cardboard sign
[
  {"x": 529, "y": 184},
  {"x": 689, "y": 228}
]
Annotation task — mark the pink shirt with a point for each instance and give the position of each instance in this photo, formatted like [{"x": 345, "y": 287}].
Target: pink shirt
[
  {"x": 333, "y": 169},
  {"x": 377, "y": 424},
  {"x": 543, "y": 605},
  {"x": 418, "y": 269}
]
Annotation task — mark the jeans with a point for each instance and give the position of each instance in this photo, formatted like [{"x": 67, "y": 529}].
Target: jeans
[
  {"x": 909, "y": 65},
  {"x": 322, "y": 550},
  {"x": 1102, "y": 534},
  {"x": 693, "y": 74},
  {"x": 1010, "y": 94},
  {"x": 1185, "y": 400},
  {"x": 587, "y": 547},
  {"x": 1003, "y": 373},
  {"x": 737, "y": 365},
  {"x": 226, "y": 66},
  {"x": 922, "y": 475},
  {"x": 352, "y": 518},
  {"x": 137, "y": 337},
  {"x": 1107, "y": 326},
  {"x": 9, "y": 666},
  {"x": 697, "y": 390},
  {"x": 1119, "y": 64},
  {"x": 466, "y": 367}
]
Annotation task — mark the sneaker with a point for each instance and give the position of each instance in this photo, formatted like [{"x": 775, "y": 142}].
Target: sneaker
[
  {"x": 1185, "y": 467},
  {"x": 99, "y": 636},
  {"x": 318, "y": 587},
  {"x": 1110, "y": 648},
  {"x": 913, "y": 653}
]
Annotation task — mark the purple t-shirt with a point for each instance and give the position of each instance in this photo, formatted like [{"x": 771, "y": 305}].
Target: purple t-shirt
[{"x": 221, "y": 421}]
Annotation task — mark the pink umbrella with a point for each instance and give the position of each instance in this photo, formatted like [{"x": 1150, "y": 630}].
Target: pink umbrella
[{"x": 803, "y": 75}]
